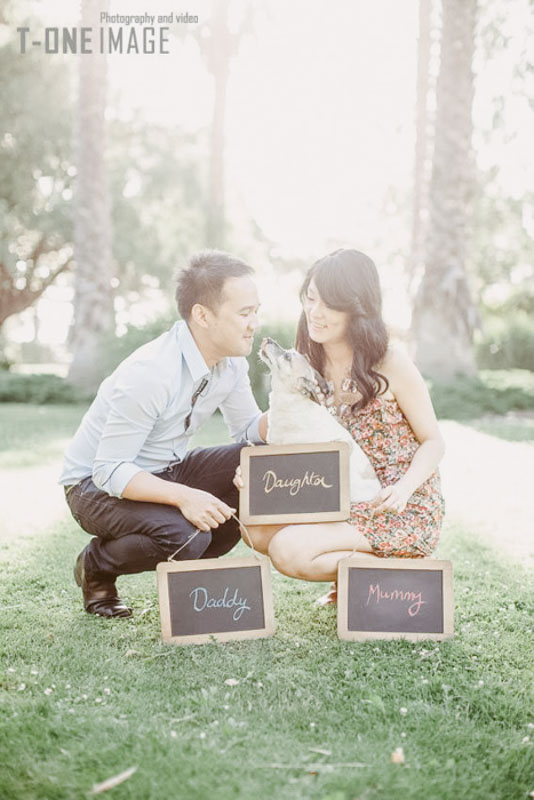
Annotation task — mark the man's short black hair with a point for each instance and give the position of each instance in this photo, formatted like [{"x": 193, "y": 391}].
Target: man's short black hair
[{"x": 203, "y": 280}]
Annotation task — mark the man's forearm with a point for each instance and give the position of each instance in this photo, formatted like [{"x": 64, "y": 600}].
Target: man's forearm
[
  {"x": 149, "y": 488},
  {"x": 201, "y": 508}
]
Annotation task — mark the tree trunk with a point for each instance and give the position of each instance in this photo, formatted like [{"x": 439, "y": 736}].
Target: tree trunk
[
  {"x": 218, "y": 49},
  {"x": 423, "y": 142},
  {"x": 93, "y": 299},
  {"x": 444, "y": 313},
  {"x": 215, "y": 223}
]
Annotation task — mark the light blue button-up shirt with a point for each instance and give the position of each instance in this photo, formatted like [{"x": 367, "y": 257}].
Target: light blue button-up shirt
[{"x": 137, "y": 420}]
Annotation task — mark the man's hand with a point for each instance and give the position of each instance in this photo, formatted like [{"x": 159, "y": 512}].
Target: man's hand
[{"x": 203, "y": 509}]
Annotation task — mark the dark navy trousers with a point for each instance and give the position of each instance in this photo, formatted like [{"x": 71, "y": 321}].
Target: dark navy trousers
[{"x": 133, "y": 536}]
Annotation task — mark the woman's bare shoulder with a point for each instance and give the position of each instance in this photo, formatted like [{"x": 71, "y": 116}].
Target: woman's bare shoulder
[
  {"x": 398, "y": 367},
  {"x": 396, "y": 358}
]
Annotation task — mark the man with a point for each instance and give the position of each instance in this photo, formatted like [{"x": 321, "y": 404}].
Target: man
[{"x": 128, "y": 477}]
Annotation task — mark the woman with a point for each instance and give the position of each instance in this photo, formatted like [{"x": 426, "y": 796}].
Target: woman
[{"x": 379, "y": 395}]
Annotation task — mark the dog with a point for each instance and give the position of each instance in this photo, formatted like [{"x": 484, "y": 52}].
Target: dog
[{"x": 296, "y": 416}]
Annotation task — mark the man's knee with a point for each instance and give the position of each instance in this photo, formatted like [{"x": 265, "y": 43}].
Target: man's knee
[{"x": 181, "y": 545}]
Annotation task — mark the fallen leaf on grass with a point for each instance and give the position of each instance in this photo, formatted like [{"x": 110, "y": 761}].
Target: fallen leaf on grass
[
  {"x": 130, "y": 653},
  {"x": 397, "y": 756},
  {"x": 321, "y": 752},
  {"x": 110, "y": 783},
  {"x": 231, "y": 682}
]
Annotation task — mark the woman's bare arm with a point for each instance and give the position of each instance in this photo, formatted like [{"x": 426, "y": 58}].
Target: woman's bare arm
[{"x": 407, "y": 385}]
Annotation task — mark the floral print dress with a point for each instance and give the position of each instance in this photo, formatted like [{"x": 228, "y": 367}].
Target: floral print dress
[{"x": 385, "y": 436}]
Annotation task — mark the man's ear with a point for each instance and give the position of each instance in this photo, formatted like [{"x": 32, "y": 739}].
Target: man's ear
[{"x": 200, "y": 315}]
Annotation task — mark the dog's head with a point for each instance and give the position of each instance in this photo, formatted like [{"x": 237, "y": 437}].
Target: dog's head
[{"x": 292, "y": 370}]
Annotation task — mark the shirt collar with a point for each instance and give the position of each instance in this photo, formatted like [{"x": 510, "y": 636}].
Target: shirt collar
[{"x": 192, "y": 355}]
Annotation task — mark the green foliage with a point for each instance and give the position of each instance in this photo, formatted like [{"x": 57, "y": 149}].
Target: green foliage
[
  {"x": 507, "y": 342},
  {"x": 156, "y": 178},
  {"x": 492, "y": 392},
  {"x": 36, "y": 171},
  {"x": 500, "y": 244},
  {"x": 15, "y": 388},
  {"x": 114, "y": 349},
  {"x": 5, "y": 363},
  {"x": 158, "y": 203},
  {"x": 284, "y": 334}
]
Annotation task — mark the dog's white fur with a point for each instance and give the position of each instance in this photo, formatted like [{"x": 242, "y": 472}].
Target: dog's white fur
[{"x": 295, "y": 418}]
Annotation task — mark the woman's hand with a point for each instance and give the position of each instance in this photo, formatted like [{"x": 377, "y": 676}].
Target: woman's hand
[
  {"x": 392, "y": 498},
  {"x": 238, "y": 479}
]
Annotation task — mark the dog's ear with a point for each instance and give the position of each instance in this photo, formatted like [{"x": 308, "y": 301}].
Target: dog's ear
[{"x": 316, "y": 388}]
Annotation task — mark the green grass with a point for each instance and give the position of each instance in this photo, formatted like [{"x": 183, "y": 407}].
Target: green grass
[
  {"x": 490, "y": 392},
  {"x": 82, "y": 699},
  {"x": 120, "y": 698},
  {"x": 512, "y": 429},
  {"x": 31, "y": 435}
]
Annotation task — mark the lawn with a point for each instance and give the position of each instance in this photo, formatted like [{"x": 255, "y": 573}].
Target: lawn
[{"x": 304, "y": 716}]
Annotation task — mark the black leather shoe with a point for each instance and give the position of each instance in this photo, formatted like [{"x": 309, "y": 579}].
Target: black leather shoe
[{"x": 99, "y": 597}]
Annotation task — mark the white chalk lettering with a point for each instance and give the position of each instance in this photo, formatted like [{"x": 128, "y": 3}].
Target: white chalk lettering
[
  {"x": 202, "y": 600},
  {"x": 272, "y": 481}
]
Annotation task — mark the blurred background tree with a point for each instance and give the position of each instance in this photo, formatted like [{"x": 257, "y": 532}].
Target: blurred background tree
[
  {"x": 444, "y": 314},
  {"x": 36, "y": 177},
  {"x": 171, "y": 187},
  {"x": 219, "y": 45},
  {"x": 93, "y": 292}
]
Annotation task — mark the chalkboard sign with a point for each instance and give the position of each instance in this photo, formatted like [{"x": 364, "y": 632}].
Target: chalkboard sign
[
  {"x": 221, "y": 598},
  {"x": 394, "y": 598},
  {"x": 295, "y": 483}
]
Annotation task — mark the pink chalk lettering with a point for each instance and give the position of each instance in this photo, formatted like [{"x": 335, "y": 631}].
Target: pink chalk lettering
[{"x": 396, "y": 595}]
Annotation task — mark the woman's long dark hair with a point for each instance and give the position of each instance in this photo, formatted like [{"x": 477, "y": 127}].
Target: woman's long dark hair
[{"x": 347, "y": 280}]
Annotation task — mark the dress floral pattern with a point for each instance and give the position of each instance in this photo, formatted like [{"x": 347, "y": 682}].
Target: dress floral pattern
[{"x": 385, "y": 436}]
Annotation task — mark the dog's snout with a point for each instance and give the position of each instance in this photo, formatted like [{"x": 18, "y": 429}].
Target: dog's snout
[{"x": 271, "y": 345}]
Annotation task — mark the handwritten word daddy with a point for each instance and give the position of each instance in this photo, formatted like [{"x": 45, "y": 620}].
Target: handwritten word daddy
[{"x": 202, "y": 601}]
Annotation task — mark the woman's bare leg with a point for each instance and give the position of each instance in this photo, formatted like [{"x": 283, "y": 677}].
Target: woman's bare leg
[
  {"x": 260, "y": 535},
  {"x": 312, "y": 552}
]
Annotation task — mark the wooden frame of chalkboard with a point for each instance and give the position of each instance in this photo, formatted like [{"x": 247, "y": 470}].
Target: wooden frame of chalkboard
[
  {"x": 384, "y": 598},
  {"x": 215, "y": 599},
  {"x": 311, "y": 483}
]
